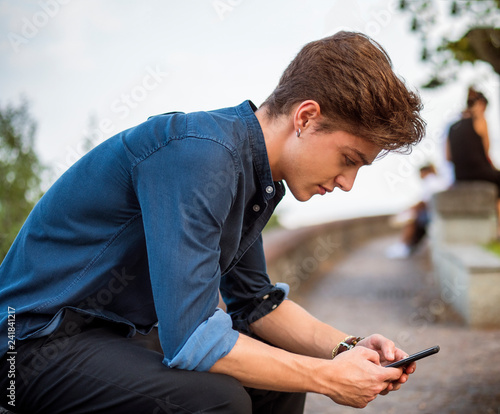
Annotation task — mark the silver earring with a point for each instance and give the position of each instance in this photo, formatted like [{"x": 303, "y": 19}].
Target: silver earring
[{"x": 298, "y": 133}]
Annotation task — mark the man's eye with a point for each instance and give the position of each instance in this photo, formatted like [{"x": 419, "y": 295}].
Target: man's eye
[{"x": 349, "y": 162}]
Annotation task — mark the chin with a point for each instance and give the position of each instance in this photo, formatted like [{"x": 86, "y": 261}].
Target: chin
[
  {"x": 301, "y": 196},
  {"x": 299, "y": 193}
]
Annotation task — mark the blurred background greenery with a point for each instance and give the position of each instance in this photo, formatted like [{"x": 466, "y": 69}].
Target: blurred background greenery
[
  {"x": 20, "y": 169},
  {"x": 476, "y": 36}
]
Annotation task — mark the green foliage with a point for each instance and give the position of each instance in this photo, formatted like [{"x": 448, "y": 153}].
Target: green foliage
[
  {"x": 494, "y": 247},
  {"x": 273, "y": 223},
  {"x": 478, "y": 35},
  {"x": 462, "y": 50},
  {"x": 20, "y": 170},
  {"x": 479, "y": 43}
]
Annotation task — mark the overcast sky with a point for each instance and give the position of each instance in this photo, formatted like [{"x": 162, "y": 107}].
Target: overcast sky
[{"x": 93, "y": 68}]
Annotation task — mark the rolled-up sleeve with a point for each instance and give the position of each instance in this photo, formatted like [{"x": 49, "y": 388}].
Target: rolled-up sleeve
[
  {"x": 247, "y": 290},
  {"x": 183, "y": 215}
]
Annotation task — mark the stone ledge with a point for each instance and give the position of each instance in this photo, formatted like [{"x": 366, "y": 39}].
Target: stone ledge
[
  {"x": 475, "y": 258},
  {"x": 466, "y": 198},
  {"x": 469, "y": 276},
  {"x": 301, "y": 256},
  {"x": 463, "y": 219}
]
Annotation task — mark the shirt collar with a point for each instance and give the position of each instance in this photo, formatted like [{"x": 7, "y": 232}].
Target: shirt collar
[{"x": 246, "y": 110}]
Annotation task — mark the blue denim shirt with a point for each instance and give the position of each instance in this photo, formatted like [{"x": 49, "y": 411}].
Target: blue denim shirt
[{"x": 147, "y": 228}]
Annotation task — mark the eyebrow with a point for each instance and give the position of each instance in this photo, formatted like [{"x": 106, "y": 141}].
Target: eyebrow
[{"x": 360, "y": 155}]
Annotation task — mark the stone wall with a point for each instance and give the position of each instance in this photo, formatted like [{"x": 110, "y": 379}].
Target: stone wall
[
  {"x": 464, "y": 220},
  {"x": 466, "y": 213},
  {"x": 299, "y": 257}
]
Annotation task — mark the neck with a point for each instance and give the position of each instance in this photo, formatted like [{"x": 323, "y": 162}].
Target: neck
[
  {"x": 275, "y": 132},
  {"x": 477, "y": 114}
]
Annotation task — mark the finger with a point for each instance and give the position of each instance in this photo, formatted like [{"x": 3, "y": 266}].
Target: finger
[
  {"x": 389, "y": 350},
  {"x": 410, "y": 369},
  {"x": 387, "y": 389},
  {"x": 396, "y": 386},
  {"x": 391, "y": 386},
  {"x": 399, "y": 354},
  {"x": 403, "y": 378}
]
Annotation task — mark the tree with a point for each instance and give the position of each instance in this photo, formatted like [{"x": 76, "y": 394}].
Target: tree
[
  {"x": 20, "y": 170},
  {"x": 468, "y": 32}
]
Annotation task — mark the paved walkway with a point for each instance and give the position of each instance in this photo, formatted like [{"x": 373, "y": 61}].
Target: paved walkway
[{"x": 367, "y": 293}]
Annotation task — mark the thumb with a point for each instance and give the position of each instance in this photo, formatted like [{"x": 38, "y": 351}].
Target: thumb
[{"x": 393, "y": 374}]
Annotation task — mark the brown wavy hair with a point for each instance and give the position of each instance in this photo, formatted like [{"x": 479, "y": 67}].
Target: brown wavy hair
[
  {"x": 350, "y": 76},
  {"x": 473, "y": 96}
]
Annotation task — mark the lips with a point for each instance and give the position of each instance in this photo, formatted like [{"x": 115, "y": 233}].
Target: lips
[{"x": 324, "y": 190}]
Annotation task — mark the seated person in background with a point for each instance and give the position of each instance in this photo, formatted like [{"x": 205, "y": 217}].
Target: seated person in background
[
  {"x": 415, "y": 228},
  {"x": 468, "y": 143}
]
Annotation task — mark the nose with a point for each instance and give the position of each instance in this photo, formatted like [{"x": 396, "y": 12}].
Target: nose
[{"x": 345, "y": 181}]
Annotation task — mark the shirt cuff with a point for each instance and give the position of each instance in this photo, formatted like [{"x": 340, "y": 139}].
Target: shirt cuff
[
  {"x": 212, "y": 340},
  {"x": 264, "y": 302}
]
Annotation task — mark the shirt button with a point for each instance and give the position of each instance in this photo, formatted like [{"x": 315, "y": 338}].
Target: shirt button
[
  {"x": 269, "y": 189},
  {"x": 265, "y": 297},
  {"x": 256, "y": 208},
  {"x": 274, "y": 306}
]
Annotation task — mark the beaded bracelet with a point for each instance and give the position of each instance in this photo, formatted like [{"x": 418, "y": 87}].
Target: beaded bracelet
[{"x": 348, "y": 343}]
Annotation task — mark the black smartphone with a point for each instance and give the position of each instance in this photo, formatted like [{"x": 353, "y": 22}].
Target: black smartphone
[{"x": 414, "y": 357}]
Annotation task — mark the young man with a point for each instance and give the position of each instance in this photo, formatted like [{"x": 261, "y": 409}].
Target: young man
[{"x": 149, "y": 226}]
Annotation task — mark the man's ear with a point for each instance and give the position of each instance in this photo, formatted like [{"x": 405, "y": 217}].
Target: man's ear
[{"x": 306, "y": 114}]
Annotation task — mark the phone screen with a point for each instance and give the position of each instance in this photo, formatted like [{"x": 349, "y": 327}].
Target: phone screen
[{"x": 414, "y": 357}]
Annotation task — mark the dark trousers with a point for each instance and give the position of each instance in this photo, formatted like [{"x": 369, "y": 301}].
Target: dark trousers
[{"x": 93, "y": 368}]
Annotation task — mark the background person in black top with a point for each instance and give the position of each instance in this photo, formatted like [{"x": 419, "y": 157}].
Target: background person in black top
[{"x": 468, "y": 143}]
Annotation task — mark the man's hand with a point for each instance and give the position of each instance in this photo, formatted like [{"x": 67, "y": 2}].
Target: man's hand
[
  {"x": 352, "y": 378},
  {"x": 359, "y": 377},
  {"x": 388, "y": 353}
]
